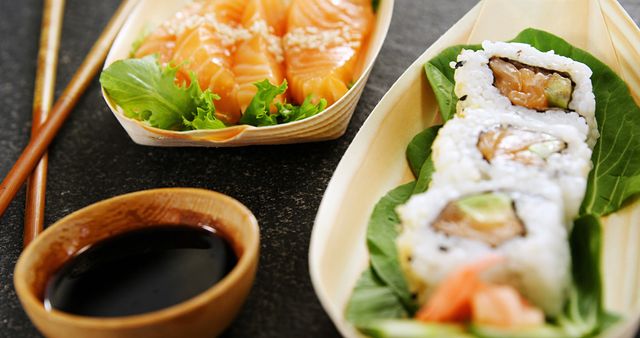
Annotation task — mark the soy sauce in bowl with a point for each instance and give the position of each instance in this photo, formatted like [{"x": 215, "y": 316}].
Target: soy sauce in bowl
[{"x": 140, "y": 271}]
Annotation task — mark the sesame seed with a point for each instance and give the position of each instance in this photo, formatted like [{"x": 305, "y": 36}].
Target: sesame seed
[{"x": 312, "y": 38}]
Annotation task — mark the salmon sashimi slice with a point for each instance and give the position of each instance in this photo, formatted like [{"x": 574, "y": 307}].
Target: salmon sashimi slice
[
  {"x": 254, "y": 62},
  {"x": 162, "y": 40},
  {"x": 320, "y": 74},
  {"x": 273, "y": 12},
  {"x": 331, "y": 14},
  {"x": 229, "y": 12},
  {"x": 323, "y": 44},
  {"x": 260, "y": 57},
  {"x": 205, "y": 53}
]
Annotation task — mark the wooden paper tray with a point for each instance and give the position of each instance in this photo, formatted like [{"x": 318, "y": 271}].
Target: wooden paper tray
[{"x": 375, "y": 162}]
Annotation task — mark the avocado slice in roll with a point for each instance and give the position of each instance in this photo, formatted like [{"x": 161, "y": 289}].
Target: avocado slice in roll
[{"x": 489, "y": 217}]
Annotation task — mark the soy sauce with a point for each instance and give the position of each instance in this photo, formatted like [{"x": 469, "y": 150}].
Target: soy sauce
[{"x": 140, "y": 271}]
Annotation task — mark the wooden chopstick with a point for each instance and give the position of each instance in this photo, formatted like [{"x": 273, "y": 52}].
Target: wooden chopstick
[
  {"x": 61, "y": 109},
  {"x": 52, "y": 17}
]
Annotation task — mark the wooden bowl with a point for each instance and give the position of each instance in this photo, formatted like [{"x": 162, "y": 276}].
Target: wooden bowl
[
  {"x": 375, "y": 162},
  {"x": 327, "y": 125},
  {"x": 204, "y": 315}
]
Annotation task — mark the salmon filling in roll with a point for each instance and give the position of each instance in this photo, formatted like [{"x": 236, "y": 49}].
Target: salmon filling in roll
[{"x": 531, "y": 87}]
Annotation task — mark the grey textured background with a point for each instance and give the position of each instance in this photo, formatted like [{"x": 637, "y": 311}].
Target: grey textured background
[{"x": 92, "y": 159}]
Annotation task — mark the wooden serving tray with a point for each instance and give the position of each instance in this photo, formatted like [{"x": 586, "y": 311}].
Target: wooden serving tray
[{"x": 375, "y": 162}]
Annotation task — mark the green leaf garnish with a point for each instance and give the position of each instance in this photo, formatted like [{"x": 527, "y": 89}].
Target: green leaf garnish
[
  {"x": 381, "y": 234},
  {"x": 441, "y": 78},
  {"x": 372, "y": 299},
  {"x": 584, "y": 313},
  {"x": 148, "y": 93},
  {"x": 290, "y": 113},
  {"x": 419, "y": 149},
  {"x": 259, "y": 113}
]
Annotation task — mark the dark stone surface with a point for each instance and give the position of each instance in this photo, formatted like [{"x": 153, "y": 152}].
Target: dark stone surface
[{"x": 92, "y": 159}]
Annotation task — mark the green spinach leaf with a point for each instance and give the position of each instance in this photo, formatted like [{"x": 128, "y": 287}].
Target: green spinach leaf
[
  {"x": 373, "y": 299},
  {"x": 584, "y": 314},
  {"x": 381, "y": 235},
  {"x": 441, "y": 78},
  {"x": 424, "y": 179},
  {"x": 419, "y": 149},
  {"x": 419, "y": 158}
]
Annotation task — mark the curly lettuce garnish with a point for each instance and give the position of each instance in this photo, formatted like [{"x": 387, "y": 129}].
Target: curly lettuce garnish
[
  {"x": 259, "y": 113},
  {"x": 148, "y": 92}
]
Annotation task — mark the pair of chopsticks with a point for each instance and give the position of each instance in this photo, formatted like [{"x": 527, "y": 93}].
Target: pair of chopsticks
[
  {"x": 42, "y": 100},
  {"x": 43, "y": 131}
]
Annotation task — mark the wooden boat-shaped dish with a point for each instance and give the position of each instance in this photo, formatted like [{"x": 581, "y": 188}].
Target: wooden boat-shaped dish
[
  {"x": 327, "y": 125},
  {"x": 375, "y": 162}
]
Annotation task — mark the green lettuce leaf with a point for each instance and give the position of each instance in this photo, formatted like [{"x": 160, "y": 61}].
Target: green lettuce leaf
[
  {"x": 259, "y": 114},
  {"x": 204, "y": 118},
  {"x": 288, "y": 112},
  {"x": 147, "y": 92}
]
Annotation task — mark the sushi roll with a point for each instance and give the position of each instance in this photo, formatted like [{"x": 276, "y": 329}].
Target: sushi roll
[
  {"x": 490, "y": 144},
  {"x": 519, "y": 220},
  {"x": 524, "y": 80}
]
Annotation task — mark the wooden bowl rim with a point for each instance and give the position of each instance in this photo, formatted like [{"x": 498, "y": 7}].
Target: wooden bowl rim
[{"x": 244, "y": 267}]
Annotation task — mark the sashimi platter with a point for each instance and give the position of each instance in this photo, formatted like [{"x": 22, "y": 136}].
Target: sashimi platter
[{"x": 229, "y": 73}]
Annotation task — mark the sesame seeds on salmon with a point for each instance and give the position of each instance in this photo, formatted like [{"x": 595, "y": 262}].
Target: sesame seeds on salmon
[{"x": 323, "y": 45}]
